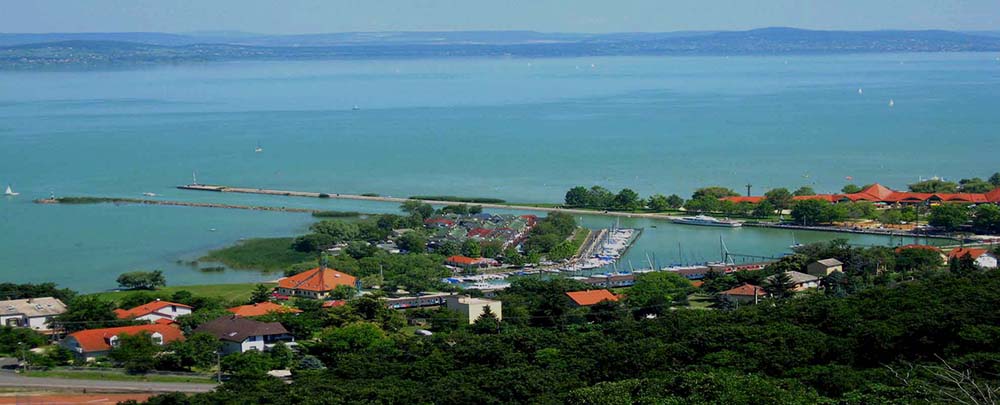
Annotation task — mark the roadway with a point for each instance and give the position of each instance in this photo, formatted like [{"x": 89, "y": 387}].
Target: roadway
[{"x": 9, "y": 379}]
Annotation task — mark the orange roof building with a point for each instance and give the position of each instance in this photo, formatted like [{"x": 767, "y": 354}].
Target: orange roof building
[
  {"x": 746, "y": 293},
  {"x": 92, "y": 343},
  {"x": 261, "y": 309},
  {"x": 316, "y": 283},
  {"x": 878, "y": 193},
  {"x": 155, "y": 311},
  {"x": 591, "y": 297},
  {"x": 982, "y": 257}
]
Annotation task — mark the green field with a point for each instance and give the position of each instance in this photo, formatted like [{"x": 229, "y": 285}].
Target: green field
[
  {"x": 268, "y": 254},
  {"x": 228, "y": 292},
  {"x": 117, "y": 376}
]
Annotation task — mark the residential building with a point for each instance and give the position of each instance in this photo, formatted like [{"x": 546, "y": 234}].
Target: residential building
[
  {"x": 982, "y": 257},
  {"x": 316, "y": 283},
  {"x": 469, "y": 263},
  {"x": 744, "y": 294},
  {"x": 825, "y": 267},
  {"x": 155, "y": 312},
  {"x": 93, "y": 343},
  {"x": 472, "y": 308},
  {"x": 422, "y": 300},
  {"x": 239, "y": 335},
  {"x": 877, "y": 193},
  {"x": 261, "y": 309},
  {"x": 34, "y": 313},
  {"x": 591, "y": 297},
  {"x": 800, "y": 281}
]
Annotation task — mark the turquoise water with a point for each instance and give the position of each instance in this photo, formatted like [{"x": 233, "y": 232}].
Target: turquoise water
[{"x": 524, "y": 130}]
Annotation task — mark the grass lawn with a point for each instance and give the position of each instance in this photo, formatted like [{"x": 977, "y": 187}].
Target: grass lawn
[
  {"x": 116, "y": 376},
  {"x": 268, "y": 254},
  {"x": 229, "y": 292},
  {"x": 700, "y": 301}
]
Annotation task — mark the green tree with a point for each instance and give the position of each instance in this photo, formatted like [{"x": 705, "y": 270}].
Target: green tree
[
  {"x": 471, "y": 248},
  {"x": 995, "y": 179},
  {"x": 655, "y": 292},
  {"x": 934, "y": 186},
  {"x": 142, "y": 280},
  {"x": 251, "y": 364},
  {"x": 987, "y": 219},
  {"x": 714, "y": 192},
  {"x": 135, "y": 352},
  {"x": 949, "y": 217},
  {"x": 447, "y": 248},
  {"x": 491, "y": 248},
  {"x": 13, "y": 340},
  {"x": 487, "y": 323},
  {"x": 703, "y": 204},
  {"x": 851, "y": 189},
  {"x": 261, "y": 293},
  {"x": 281, "y": 356},
  {"x": 412, "y": 241},
  {"x": 658, "y": 202},
  {"x": 313, "y": 242},
  {"x": 780, "y": 198},
  {"x": 339, "y": 231},
  {"x": 360, "y": 249},
  {"x": 417, "y": 209},
  {"x": 804, "y": 191},
  {"x": 627, "y": 200},
  {"x": 675, "y": 201},
  {"x": 600, "y": 198},
  {"x": 763, "y": 209},
  {"x": 87, "y": 312},
  {"x": 577, "y": 197},
  {"x": 810, "y": 212},
  {"x": 917, "y": 259},
  {"x": 779, "y": 285},
  {"x": 197, "y": 351},
  {"x": 975, "y": 185}
]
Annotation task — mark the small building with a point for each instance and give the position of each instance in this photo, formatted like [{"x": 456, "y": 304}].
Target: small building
[
  {"x": 744, "y": 294},
  {"x": 316, "y": 283},
  {"x": 239, "y": 335},
  {"x": 825, "y": 267},
  {"x": 472, "y": 308},
  {"x": 800, "y": 281},
  {"x": 469, "y": 263},
  {"x": 154, "y": 312},
  {"x": 982, "y": 257},
  {"x": 421, "y": 300},
  {"x": 591, "y": 297},
  {"x": 93, "y": 343},
  {"x": 33, "y": 313},
  {"x": 261, "y": 309}
]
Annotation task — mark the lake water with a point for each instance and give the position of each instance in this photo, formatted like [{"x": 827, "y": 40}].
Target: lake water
[{"x": 521, "y": 129}]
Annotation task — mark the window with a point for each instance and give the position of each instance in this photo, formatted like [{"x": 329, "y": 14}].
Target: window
[{"x": 252, "y": 338}]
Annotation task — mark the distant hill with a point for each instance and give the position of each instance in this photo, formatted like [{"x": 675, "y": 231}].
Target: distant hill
[{"x": 27, "y": 51}]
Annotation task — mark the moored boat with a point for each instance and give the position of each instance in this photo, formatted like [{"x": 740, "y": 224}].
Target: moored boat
[{"x": 705, "y": 220}]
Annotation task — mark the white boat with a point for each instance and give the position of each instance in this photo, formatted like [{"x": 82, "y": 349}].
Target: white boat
[
  {"x": 258, "y": 149},
  {"x": 705, "y": 220},
  {"x": 892, "y": 102},
  {"x": 148, "y": 194},
  {"x": 795, "y": 244},
  {"x": 861, "y": 91},
  {"x": 10, "y": 191}
]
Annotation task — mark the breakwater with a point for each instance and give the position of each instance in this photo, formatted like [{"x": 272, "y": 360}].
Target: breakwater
[{"x": 113, "y": 200}]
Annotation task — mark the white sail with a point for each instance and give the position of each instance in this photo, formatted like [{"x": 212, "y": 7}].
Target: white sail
[{"x": 9, "y": 191}]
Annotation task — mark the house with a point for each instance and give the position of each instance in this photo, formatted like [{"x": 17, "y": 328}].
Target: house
[
  {"x": 800, "y": 281},
  {"x": 469, "y": 263},
  {"x": 935, "y": 249},
  {"x": 34, "y": 313},
  {"x": 261, "y": 309},
  {"x": 879, "y": 194},
  {"x": 982, "y": 257},
  {"x": 155, "y": 311},
  {"x": 239, "y": 335},
  {"x": 316, "y": 283},
  {"x": 825, "y": 267},
  {"x": 439, "y": 223},
  {"x": 93, "y": 343},
  {"x": 591, "y": 297},
  {"x": 472, "y": 308},
  {"x": 744, "y": 294}
]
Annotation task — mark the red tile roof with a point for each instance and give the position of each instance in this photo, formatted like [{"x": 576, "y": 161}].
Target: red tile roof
[
  {"x": 960, "y": 252},
  {"x": 879, "y": 193},
  {"x": 146, "y": 309},
  {"x": 334, "y": 303},
  {"x": 320, "y": 279},
  {"x": 480, "y": 232},
  {"x": 98, "y": 340},
  {"x": 925, "y": 247},
  {"x": 262, "y": 308},
  {"x": 443, "y": 221},
  {"x": 462, "y": 260},
  {"x": 697, "y": 284},
  {"x": 745, "y": 290},
  {"x": 591, "y": 297}
]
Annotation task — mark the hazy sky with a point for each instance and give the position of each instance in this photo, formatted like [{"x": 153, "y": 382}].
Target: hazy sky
[{"x": 314, "y": 16}]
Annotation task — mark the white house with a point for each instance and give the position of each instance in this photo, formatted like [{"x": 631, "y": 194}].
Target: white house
[
  {"x": 472, "y": 308},
  {"x": 982, "y": 257},
  {"x": 240, "y": 335},
  {"x": 92, "y": 343},
  {"x": 34, "y": 313},
  {"x": 155, "y": 312}
]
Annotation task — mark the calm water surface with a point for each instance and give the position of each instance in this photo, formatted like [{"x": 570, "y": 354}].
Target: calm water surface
[{"x": 524, "y": 130}]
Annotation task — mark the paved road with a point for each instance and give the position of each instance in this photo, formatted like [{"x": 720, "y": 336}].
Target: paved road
[{"x": 8, "y": 379}]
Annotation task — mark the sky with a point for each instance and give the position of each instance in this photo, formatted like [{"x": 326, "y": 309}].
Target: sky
[{"x": 323, "y": 16}]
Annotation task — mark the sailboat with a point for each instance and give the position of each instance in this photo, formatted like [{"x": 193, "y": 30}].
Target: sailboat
[
  {"x": 258, "y": 149},
  {"x": 861, "y": 92},
  {"x": 891, "y": 103},
  {"x": 795, "y": 244},
  {"x": 10, "y": 191}
]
